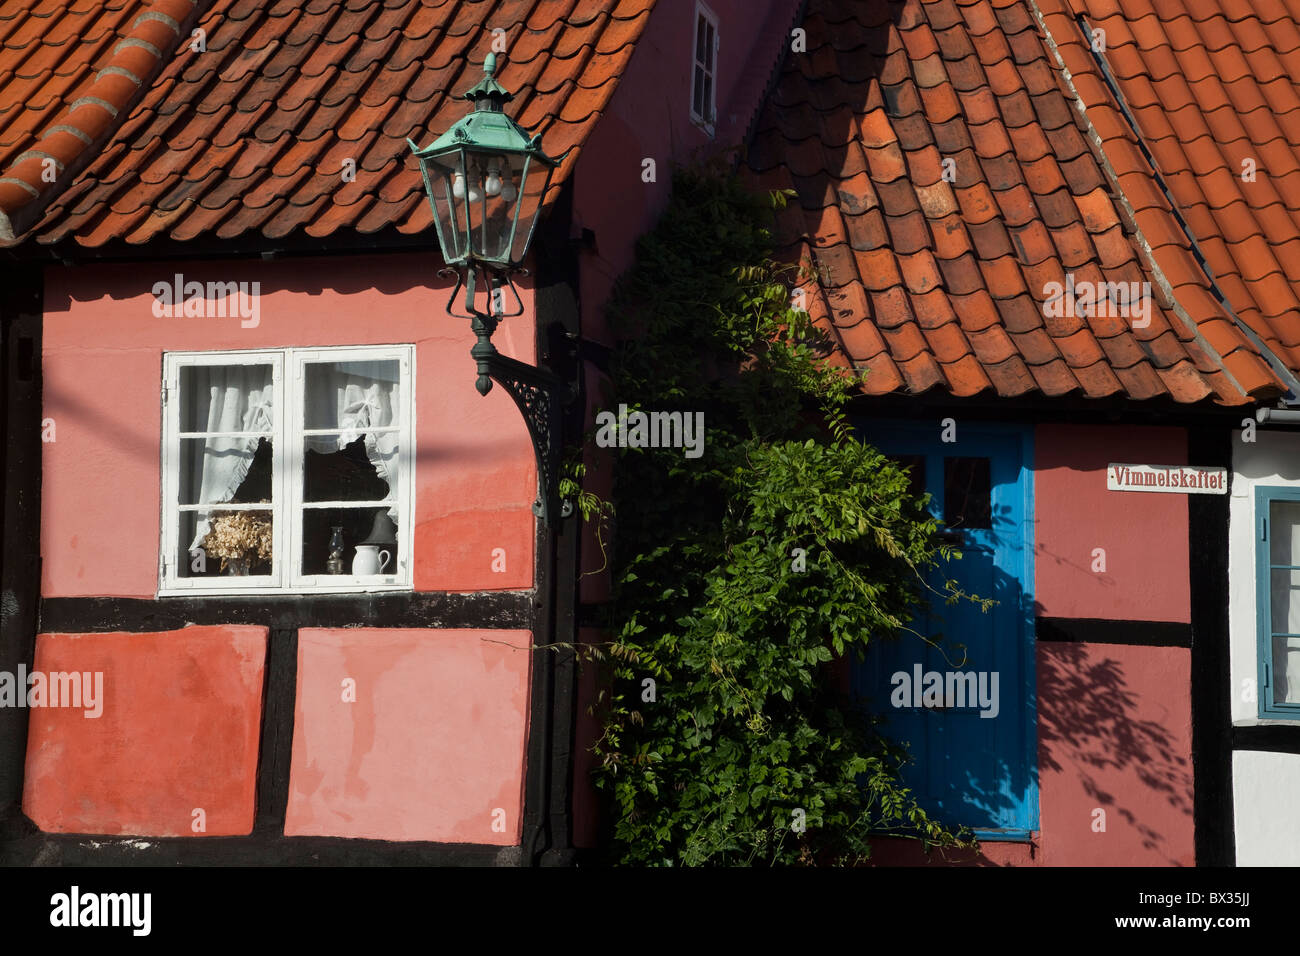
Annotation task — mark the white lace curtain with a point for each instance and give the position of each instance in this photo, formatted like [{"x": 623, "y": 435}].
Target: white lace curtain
[
  {"x": 229, "y": 398},
  {"x": 352, "y": 397},
  {"x": 356, "y": 397}
]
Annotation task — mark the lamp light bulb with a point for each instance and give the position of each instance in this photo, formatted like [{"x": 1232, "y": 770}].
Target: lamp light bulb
[
  {"x": 458, "y": 185},
  {"x": 492, "y": 183},
  {"x": 475, "y": 185},
  {"x": 508, "y": 190}
]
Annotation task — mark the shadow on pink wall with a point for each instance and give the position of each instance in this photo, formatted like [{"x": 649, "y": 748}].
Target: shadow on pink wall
[
  {"x": 475, "y": 476},
  {"x": 1115, "y": 774}
]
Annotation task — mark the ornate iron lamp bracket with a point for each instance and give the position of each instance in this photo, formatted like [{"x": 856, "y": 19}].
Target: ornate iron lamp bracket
[{"x": 540, "y": 394}]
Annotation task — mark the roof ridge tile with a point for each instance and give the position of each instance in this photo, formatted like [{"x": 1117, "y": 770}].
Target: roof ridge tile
[{"x": 134, "y": 61}]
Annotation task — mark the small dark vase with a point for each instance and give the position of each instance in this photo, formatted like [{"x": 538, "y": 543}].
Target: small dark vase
[{"x": 334, "y": 564}]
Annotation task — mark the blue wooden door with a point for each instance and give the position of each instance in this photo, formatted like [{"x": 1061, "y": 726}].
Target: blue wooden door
[{"x": 974, "y": 760}]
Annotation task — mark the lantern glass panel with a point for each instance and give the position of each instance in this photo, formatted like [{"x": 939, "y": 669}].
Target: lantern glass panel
[
  {"x": 536, "y": 177},
  {"x": 490, "y": 201},
  {"x": 444, "y": 175}
]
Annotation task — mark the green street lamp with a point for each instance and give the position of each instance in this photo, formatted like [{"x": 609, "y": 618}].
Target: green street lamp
[{"x": 486, "y": 179}]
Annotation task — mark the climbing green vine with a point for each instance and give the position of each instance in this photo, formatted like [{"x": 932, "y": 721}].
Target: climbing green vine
[{"x": 746, "y": 577}]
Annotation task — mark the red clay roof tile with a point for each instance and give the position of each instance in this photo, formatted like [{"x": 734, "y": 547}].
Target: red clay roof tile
[
  {"x": 288, "y": 88},
  {"x": 1016, "y": 206},
  {"x": 972, "y": 244},
  {"x": 1213, "y": 86},
  {"x": 967, "y": 187}
]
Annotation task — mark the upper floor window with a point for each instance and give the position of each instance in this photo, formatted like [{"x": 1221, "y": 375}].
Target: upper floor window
[
  {"x": 703, "y": 87},
  {"x": 287, "y": 470},
  {"x": 1277, "y": 576}
]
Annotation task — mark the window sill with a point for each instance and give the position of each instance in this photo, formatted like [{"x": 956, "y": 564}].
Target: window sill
[
  {"x": 1004, "y": 836},
  {"x": 982, "y": 835},
  {"x": 347, "y": 585},
  {"x": 707, "y": 128},
  {"x": 1273, "y": 720}
]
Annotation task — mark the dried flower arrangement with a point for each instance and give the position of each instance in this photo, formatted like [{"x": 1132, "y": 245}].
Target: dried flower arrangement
[{"x": 239, "y": 536}]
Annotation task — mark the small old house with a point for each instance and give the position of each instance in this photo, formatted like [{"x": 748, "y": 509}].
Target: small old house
[{"x": 286, "y": 578}]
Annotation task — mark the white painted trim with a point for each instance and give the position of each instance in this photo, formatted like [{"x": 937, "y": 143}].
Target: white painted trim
[
  {"x": 300, "y": 583},
  {"x": 287, "y": 366},
  {"x": 170, "y": 582},
  {"x": 1266, "y": 827},
  {"x": 1272, "y": 460},
  {"x": 707, "y": 123},
  {"x": 204, "y": 435},
  {"x": 369, "y": 503}
]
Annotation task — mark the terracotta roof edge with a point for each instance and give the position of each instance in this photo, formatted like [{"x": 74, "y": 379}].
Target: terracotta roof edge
[
  {"x": 26, "y": 188},
  {"x": 797, "y": 12},
  {"x": 1144, "y": 246}
]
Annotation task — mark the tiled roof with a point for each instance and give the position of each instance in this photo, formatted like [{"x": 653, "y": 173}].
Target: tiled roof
[
  {"x": 929, "y": 282},
  {"x": 1214, "y": 87},
  {"x": 253, "y": 134},
  {"x": 68, "y": 69}
]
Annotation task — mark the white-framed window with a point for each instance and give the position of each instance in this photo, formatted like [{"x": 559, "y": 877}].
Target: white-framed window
[
  {"x": 287, "y": 470},
  {"x": 704, "y": 92}
]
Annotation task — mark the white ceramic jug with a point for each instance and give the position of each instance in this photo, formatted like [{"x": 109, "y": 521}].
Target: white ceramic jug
[{"x": 370, "y": 560}]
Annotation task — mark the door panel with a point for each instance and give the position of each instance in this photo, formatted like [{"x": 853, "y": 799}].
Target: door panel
[{"x": 968, "y": 769}]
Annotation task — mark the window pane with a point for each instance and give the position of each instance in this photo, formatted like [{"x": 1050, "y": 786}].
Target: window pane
[
  {"x": 967, "y": 493},
  {"x": 1286, "y": 670},
  {"x": 1284, "y": 542},
  {"x": 340, "y": 467},
  {"x": 223, "y": 472},
  {"x": 375, "y": 527},
  {"x": 700, "y": 25},
  {"x": 225, "y": 398},
  {"x": 218, "y": 470},
  {"x": 1285, "y": 602},
  {"x": 351, "y": 462},
  {"x": 351, "y": 395},
  {"x": 226, "y": 468},
  {"x": 708, "y": 97},
  {"x": 707, "y": 58},
  {"x": 697, "y": 93},
  {"x": 225, "y": 543}
]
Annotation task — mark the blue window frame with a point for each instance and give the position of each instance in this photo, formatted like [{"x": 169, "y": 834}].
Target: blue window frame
[{"x": 1277, "y": 604}]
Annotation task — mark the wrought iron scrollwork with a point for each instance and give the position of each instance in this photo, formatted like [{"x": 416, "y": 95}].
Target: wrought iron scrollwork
[
  {"x": 539, "y": 398},
  {"x": 539, "y": 393}
]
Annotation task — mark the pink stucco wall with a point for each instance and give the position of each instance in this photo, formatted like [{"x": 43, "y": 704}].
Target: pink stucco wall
[
  {"x": 1114, "y": 734},
  {"x": 1143, "y": 534},
  {"x": 178, "y": 732},
  {"x": 432, "y": 747},
  {"x": 475, "y": 478},
  {"x": 1114, "y": 721},
  {"x": 649, "y": 117}
]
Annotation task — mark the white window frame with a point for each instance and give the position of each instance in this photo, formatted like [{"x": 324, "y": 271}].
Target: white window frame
[
  {"x": 708, "y": 120},
  {"x": 287, "y": 435}
]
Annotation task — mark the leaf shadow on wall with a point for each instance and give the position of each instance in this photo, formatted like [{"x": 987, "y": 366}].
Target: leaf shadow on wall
[
  {"x": 980, "y": 770},
  {"x": 1092, "y": 728}
]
